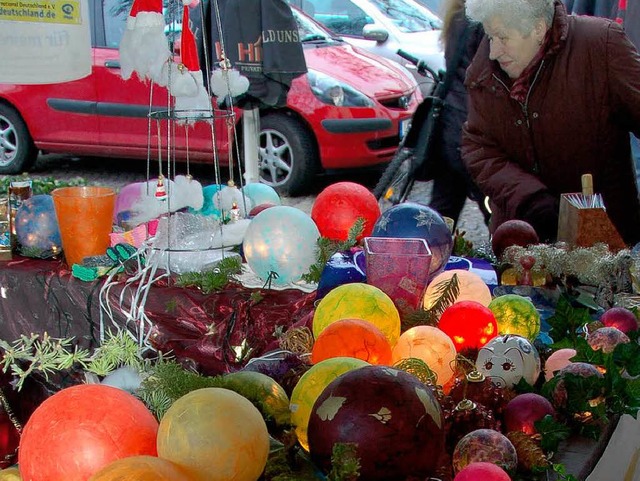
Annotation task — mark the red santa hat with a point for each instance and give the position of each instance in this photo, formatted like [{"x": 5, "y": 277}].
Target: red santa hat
[
  {"x": 146, "y": 10},
  {"x": 144, "y": 48},
  {"x": 192, "y": 99},
  {"x": 188, "y": 48}
]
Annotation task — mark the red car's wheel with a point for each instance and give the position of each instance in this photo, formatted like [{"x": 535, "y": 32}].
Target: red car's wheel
[
  {"x": 288, "y": 158},
  {"x": 17, "y": 151}
]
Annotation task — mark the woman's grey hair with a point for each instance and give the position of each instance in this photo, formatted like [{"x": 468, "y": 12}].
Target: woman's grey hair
[{"x": 522, "y": 15}]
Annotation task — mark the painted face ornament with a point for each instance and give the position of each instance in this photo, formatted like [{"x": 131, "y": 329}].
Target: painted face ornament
[{"x": 507, "y": 359}]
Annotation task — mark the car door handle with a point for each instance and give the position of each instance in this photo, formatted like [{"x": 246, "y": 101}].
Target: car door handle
[{"x": 112, "y": 64}]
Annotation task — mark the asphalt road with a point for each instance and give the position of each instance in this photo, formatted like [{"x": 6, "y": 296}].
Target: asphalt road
[{"x": 117, "y": 173}]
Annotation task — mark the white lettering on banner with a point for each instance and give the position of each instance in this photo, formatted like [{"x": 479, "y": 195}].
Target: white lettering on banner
[{"x": 281, "y": 36}]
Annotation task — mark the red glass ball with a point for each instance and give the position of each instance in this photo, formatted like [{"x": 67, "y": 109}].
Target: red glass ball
[
  {"x": 469, "y": 324},
  {"x": 81, "y": 429},
  {"x": 9, "y": 440},
  {"x": 339, "y": 206},
  {"x": 621, "y": 318},
  {"x": 524, "y": 410},
  {"x": 259, "y": 208},
  {"x": 482, "y": 471}
]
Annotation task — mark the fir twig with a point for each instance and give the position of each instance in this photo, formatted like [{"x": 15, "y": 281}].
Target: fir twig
[
  {"x": 168, "y": 381},
  {"x": 447, "y": 292},
  {"x": 328, "y": 247},
  {"x": 216, "y": 279},
  {"x": 42, "y": 354},
  {"x": 345, "y": 464},
  {"x": 117, "y": 350}
]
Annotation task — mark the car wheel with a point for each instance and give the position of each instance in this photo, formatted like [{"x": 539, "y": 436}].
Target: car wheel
[
  {"x": 288, "y": 157},
  {"x": 17, "y": 150}
]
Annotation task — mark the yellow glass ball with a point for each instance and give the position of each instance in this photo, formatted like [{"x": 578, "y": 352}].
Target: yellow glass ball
[
  {"x": 471, "y": 288},
  {"x": 516, "y": 315},
  {"x": 432, "y": 346},
  {"x": 358, "y": 301},
  {"x": 10, "y": 474},
  {"x": 215, "y": 434},
  {"x": 510, "y": 277},
  {"x": 310, "y": 386}
]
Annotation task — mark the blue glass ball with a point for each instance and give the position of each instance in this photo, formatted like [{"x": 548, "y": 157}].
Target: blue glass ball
[
  {"x": 413, "y": 220},
  {"x": 342, "y": 268},
  {"x": 37, "y": 227},
  {"x": 261, "y": 194}
]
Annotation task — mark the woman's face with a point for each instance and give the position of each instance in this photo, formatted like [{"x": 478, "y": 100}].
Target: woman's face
[{"x": 510, "y": 48}]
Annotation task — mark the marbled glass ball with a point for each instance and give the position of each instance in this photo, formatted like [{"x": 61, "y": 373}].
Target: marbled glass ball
[{"x": 37, "y": 227}]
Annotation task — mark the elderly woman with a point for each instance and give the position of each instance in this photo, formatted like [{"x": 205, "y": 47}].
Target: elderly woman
[{"x": 551, "y": 97}]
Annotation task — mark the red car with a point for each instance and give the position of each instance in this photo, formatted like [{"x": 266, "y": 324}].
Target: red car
[{"x": 106, "y": 116}]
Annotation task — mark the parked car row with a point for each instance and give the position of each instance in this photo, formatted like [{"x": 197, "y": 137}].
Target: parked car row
[
  {"x": 349, "y": 111},
  {"x": 382, "y": 27}
]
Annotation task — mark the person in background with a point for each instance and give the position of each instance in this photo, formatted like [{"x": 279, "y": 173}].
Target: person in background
[
  {"x": 628, "y": 15},
  {"x": 452, "y": 184},
  {"x": 551, "y": 97},
  {"x": 596, "y": 8}
]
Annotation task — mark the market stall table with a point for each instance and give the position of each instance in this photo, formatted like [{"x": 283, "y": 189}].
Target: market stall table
[{"x": 218, "y": 331}]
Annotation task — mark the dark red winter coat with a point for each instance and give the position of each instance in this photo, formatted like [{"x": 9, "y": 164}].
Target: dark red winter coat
[{"x": 580, "y": 108}]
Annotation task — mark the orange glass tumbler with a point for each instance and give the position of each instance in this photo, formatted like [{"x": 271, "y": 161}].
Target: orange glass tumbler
[{"x": 85, "y": 217}]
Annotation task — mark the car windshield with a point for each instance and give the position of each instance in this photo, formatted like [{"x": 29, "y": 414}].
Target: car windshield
[
  {"x": 407, "y": 16},
  {"x": 308, "y": 29}
]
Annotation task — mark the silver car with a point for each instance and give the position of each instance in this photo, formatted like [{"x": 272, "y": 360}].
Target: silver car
[{"x": 382, "y": 27}]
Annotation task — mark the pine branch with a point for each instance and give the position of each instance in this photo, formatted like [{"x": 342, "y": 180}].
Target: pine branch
[
  {"x": 42, "y": 354},
  {"x": 447, "y": 292},
  {"x": 345, "y": 464},
  {"x": 328, "y": 247},
  {"x": 216, "y": 279}
]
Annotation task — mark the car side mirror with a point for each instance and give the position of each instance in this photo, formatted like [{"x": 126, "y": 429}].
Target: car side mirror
[{"x": 373, "y": 32}]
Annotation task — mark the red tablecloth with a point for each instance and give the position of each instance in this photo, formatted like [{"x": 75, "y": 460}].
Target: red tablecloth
[{"x": 42, "y": 295}]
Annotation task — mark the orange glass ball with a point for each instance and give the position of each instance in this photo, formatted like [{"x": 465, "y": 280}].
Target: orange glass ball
[
  {"x": 141, "y": 468},
  {"x": 352, "y": 338},
  {"x": 469, "y": 324},
  {"x": 432, "y": 346}
]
